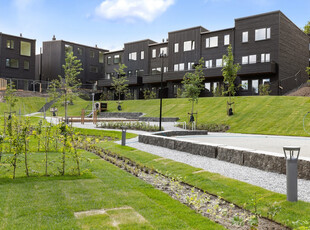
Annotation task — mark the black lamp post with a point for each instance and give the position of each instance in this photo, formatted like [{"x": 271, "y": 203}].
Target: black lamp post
[{"x": 162, "y": 56}]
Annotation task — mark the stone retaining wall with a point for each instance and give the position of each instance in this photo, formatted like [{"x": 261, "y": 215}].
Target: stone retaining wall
[
  {"x": 242, "y": 156},
  {"x": 181, "y": 133}
]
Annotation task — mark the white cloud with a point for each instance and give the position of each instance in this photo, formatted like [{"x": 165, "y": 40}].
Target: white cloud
[{"x": 130, "y": 10}]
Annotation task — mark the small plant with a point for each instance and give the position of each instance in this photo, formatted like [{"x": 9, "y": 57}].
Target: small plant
[
  {"x": 273, "y": 210},
  {"x": 264, "y": 89},
  {"x": 149, "y": 94}
]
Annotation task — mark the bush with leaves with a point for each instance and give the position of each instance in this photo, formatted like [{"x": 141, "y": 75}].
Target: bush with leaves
[
  {"x": 264, "y": 89},
  {"x": 149, "y": 94}
]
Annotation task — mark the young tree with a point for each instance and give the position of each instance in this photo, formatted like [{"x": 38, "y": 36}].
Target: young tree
[
  {"x": 9, "y": 95},
  {"x": 192, "y": 85},
  {"x": 307, "y": 28},
  {"x": 119, "y": 83},
  {"x": 68, "y": 84},
  {"x": 53, "y": 89},
  {"x": 229, "y": 72}
]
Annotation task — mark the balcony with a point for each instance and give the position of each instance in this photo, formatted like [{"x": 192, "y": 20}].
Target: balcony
[
  {"x": 258, "y": 68},
  {"x": 133, "y": 80}
]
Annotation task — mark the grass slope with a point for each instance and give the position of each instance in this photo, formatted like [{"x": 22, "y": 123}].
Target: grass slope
[
  {"x": 275, "y": 115},
  {"x": 25, "y": 105}
]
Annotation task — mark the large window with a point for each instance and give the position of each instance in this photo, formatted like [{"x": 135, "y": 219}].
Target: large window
[
  {"x": 93, "y": 69},
  {"x": 153, "y": 53},
  {"x": 176, "y": 47},
  {"x": 209, "y": 64},
  {"x": 208, "y": 86},
  {"x": 25, "y": 48},
  {"x": 108, "y": 76},
  {"x": 26, "y": 65},
  {"x": 266, "y": 81},
  {"x": 142, "y": 55},
  {"x": 156, "y": 70},
  {"x": 189, "y": 45},
  {"x": 10, "y": 44},
  {"x": 265, "y": 58},
  {"x": 132, "y": 56},
  {"x": 245, "y": 60},
  {"x": 109, "y": 61},
  {"x": 68, "y": 48},
  {"x": 117, "y": 59},
  {"x": 92, "y": 54},
  {"x": 255, "y": 86},
  {"x": 176, "y": 67},
  {"x": 212, "y": 42},
  {"x": 252, "y": 59},
  {"x": 165, "y": 69},
  {"x": 79, "y": 51},
  {"x": 245, "y": 85},
  {"x": 179, "y": 67},
  {"x": 262, "y": 34},
  {"x": 245, "y": 36},
  {"x": 12, "y": 63},
  {"x": 101, "y": 57},
  {"x": 219, "y": 62},
  {"x": 226, "y": 39},
  {"x": 190, "y": 65},
  {"x": 164, "y": 50}
]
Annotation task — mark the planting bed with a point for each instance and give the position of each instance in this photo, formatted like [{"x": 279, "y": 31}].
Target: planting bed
[{"x": 211, "y": 206}]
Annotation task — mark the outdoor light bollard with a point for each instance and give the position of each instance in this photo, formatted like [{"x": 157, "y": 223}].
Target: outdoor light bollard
[
  {"x": 124, "y": 135},
  {"x": 291, "y": 172}
]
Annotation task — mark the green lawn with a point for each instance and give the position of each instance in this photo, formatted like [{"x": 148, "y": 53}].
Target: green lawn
[{"x": 237, "y": 192}]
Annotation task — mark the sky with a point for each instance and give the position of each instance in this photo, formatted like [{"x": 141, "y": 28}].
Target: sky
[{"x": 111, "y": 23}]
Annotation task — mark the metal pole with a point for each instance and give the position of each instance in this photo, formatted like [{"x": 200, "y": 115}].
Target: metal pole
[
  {"x": 123, "y": 136},
  {"x": 161, "y": 89},
  {"x": 291, "y": 179},
  {"x": 93, "y": 94}
]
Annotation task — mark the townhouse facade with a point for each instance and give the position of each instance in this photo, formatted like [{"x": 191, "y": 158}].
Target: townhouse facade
[
  {"x": 17, "y": 59},
  {"x": 53, "y": 58},
  {"x": 269, "y": 47}
]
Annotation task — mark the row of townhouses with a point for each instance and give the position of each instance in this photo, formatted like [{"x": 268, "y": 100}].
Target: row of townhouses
[{"x": 269, "y": 47}]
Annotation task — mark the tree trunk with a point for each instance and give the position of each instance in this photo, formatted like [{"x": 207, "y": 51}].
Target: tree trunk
[
  {"x": 26, "y": 159},
  {"x": 45, "y": 162},
  {"x": 66, "y": 106},
  {"x": 14, "y": 165},
  {"x": 192, "y": 107},
  {"x": 64, "y": 158}
]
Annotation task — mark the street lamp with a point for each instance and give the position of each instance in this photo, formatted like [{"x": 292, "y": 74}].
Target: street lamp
[{"x": 162, "y": 56}]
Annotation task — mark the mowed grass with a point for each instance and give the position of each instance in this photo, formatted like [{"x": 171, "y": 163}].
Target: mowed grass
[
  {"x": 50, "y": 202},
  {"x": 274, "y": 115},
  {"x": 237, "y": 192}
]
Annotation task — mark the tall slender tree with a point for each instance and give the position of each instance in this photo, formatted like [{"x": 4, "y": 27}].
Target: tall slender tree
[
  {"x": 10, "y": 96},
  {"x": 119, "y": 83},
  {"x": 230, "y": 71},
  {"x": 192, "y": 84}
]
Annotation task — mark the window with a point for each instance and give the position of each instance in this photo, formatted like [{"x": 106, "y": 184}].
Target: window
[
  {"x": 190, "y": 65},
  {"x": 101, "y": 57},
  {"x": 79, "y": 51},
  {"x": 245, "y": 60},
  {"x": 156, "y": 70},
  {"x": 26, "y": 65},
  {"x": 92, "y": 54},
  {"x": 25, "y": 48},
  {"x": 176, "y": 47},
  {"x": 208, "y": 86},
  {"x": 129, "y": 73},
  {"x": 265, "y": 58},
  {"x": 215, "y": 85},
  {"x": 255, "y": 86},
  {"x": 189, "y": 45},
  {"x": 219, "y": 62},
  {"x": 10, "y": 44},
  {"x": 262, "y": 34},
  {"x": 226, "y": 39},
  {"x": 68, "y": 48},
  {"x": 109, "y": 61},
  {"x": 117, "y": 59},
  {"x": 93, "y": 69},
  {"x": 108, "y": 76},
  {"x": 266, "y": 81},
  {"x": 212, "y": 42},
  {"x": 12, "y": 63},
  {"x": 209, "y": 64},
  {"x": 245, "y": 37},
  {"x": 245, "y": 84},
  {"x": 181, "y": 66},
  {"x": 252, "y": 59},
  {"x": 153, "y": 53},
  {"x": 142, "y": 55},
  {"x": 164, "y": 50},
  {"x": 132, "y": 56},
  {"x": 165, "y": 69},
  {"x": 176, "y": 67}
]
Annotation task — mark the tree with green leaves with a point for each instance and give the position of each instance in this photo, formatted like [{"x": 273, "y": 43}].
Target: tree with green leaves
[
  {"x": 10, "y": 96},
  {"x": 119, "y": 83},
  {"x": 68, "y": 84},
  {"x": 53, "y": 89},
  {"x": 193, "y": 84},
  {"x": 230, "y": 71},
  {"x": 307, "y": 28}
]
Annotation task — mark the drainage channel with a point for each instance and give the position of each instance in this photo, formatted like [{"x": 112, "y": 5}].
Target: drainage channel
[{"x": 213, "y": 207}]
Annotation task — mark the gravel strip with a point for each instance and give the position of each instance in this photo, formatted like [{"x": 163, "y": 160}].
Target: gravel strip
[{"x": 268, "y": 180}]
